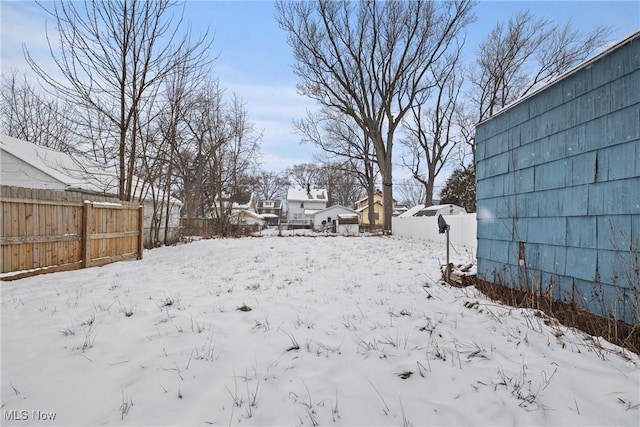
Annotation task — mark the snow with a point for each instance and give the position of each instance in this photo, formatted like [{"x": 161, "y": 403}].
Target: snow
[
  {"x": 105, "y": 204},
  {"x": 297, "y": 194},
  {"x": 340, "y": 331}
]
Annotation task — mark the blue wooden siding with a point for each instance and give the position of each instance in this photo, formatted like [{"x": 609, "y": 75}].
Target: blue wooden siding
[{"x": 560, "y": 172}]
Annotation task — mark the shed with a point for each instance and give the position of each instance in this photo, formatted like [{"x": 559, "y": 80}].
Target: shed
[
  {"x": 348, "y": 224},
  {"x": 327, "y": 217}
]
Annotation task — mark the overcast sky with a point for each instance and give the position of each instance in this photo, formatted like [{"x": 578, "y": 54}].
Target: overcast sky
[{"x": 255, "y": 61}]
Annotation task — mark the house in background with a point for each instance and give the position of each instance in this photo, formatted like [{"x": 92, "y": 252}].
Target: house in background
[
  {"x": 24, "y": 164},
  {"x": 271, "y": 211},
  {"x": 362, "y": 207},
  {"x": 302, "y": 205},
  {"x": 558, "y": 188},
  {"x": 242, "y": 208},
  {"x": 325, "y": 219},
  {"x": 246, "y": 217}
]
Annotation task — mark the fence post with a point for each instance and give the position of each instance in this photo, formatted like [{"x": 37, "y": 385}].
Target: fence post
[
  {"x": 140, "y": 231},
  {"x": 86, "y": 233}
]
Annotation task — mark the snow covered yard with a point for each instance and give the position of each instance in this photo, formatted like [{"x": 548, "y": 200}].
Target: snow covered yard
[{"x": 296, "y": 331}]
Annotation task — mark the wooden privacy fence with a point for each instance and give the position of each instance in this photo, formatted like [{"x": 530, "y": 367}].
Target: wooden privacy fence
[
  {"x": 209, "y": 227},
  {"x": 47, "y": 231}
]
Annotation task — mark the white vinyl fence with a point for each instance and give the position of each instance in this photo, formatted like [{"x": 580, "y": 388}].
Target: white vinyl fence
[{"x": 462, "y": 232}]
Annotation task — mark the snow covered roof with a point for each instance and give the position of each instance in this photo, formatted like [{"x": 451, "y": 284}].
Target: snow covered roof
[
  {"x": 433, "y": 210},
  {"x": 76, "y": 172},
  {"x": 245, "y": 212},
  {"x": 298, "y": 194},
  {"x": 411, "y": 211},
  {"x": 334, "y": 207},
  {"x": 361, "y": 209},
  {"x": 355, "y": 215},
  {"x": 438, "y": 207}
]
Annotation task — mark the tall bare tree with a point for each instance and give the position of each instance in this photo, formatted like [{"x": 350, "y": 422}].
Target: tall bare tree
[
  {"x": 341, "y": 182},
  {"x": 180, "y": 89},
  {"x": 220, "y": 159},
  {"x": 111, "y": 57},
  {"x": 369, "y": 60},
  {"x": 270, "y": 185},
  {"x": 200, "y": 162},
  {"x": 242, "y": 152},
  {"x": 343, "y": 144},
  {"x": 431, "y": 128}
]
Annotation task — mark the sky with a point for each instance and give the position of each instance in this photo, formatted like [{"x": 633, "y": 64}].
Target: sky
[
  {"x": 255, "y": 61},
  {"x": 290, "y": 331}
]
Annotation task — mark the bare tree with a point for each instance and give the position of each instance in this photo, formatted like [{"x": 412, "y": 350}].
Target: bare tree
[
  {"x": 35, "y": 117},
  {"x": 242, "y": 151},
  {"x": 516, "y": 58},
  {"x": 304, "y": 175},
  {"x": 217, "y": 164},
  {"x": 432, "y": 129},
  {"x": 341, "y": 182},
  {"x": 369, "y": 60},
  {"x": 200, "y": 162},
  {"x": 344, "y": 144},
  {"x": 411, "y": 193},
  {"x": 270, "y": 185},
  {"x": 520, "y": 55},
  {"x": 111, "y": 57},
  {"x": 179, "y": 92}
]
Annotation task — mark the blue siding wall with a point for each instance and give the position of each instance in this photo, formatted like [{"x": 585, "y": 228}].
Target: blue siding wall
[{"x": 559, "y": 173}]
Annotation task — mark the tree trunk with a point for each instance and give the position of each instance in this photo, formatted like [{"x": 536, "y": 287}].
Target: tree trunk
[{"x": 386, "y": 169}]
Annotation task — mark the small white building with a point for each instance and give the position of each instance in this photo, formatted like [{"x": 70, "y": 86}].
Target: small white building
[
  {"x": 326, "y": 218},
  {"x": 348, "y": 224},
  {"x": 434, "y": 210},
  {"x": 302, "y": 205}
]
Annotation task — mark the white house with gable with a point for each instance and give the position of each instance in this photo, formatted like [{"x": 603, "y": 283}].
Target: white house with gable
[
  {"x": 303, "y": 204},
  {"x": 24, "y": 164}
]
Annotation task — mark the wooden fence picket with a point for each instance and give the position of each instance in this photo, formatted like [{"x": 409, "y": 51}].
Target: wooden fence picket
[{"x": 46, "y": 231}]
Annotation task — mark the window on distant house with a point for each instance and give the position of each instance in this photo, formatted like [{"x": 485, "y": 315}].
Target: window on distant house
[
  {"x": 376, "y": 216},
  {"x": 302, "y": 205}
]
